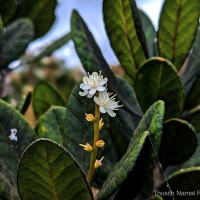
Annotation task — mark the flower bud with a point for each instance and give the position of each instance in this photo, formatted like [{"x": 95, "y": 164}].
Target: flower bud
[
  {"x": 98, "y": 163},
  {"x": 90, "y": 117},
  {"x": 101, "y": 123},
  {"x": 87, "y": 147},
  {"x": 100, "y": 143}
]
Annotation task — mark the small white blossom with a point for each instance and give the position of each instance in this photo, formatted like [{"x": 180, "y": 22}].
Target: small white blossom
[
  {"x": 13, "y": 135},
  {"x": 93, "y": 83},
  {"x": 107, "y": 103}
]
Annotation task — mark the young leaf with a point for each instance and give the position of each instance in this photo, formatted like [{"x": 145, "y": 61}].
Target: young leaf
[
  {"x": 177, "y": 28},
  {"x": 133, "y": 169},
  {"x": 179, "y": 142},
  {"x": 48, "y": 171},
  {"x": 122, "y": 32},
  {"x": 7, "y": 9},
  {"x": 51, "y": 124},
  {"x": 16, "y": 38},
  {"x": 93, "y": 60},
  {"x": 41, "y": 104},
  {"x": 12, "y": 147},
  {"x": 41, "y": 12},
  {"x": 154, "y": 81},
  {"x": 183, "y": 184}
]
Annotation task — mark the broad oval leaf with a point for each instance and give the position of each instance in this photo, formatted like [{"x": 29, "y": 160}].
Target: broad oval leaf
[
  {"x": 179, "y": 142},
  {"x": 7, "y": 9},
  {"x": 133, "y": 169},
  {"x": 93, "y": 60},
  {"x": 183, "y": 185},
  {"x": 51, "y": 124},
  {"x": 177, "y": 28},
  {"x": 41, "y": 12},
  {"x": 16, "y": 39},
  {"x": 41, "y": 104},
  {"x": 48, "y": 171},
  {"x": 120, "y": 27},
  {"x": 11, "y": 148},
  {"x": 157, "y": 79}
]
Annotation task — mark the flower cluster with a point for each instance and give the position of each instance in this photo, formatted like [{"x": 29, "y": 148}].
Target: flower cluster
[{"x": 96, "y": 83}]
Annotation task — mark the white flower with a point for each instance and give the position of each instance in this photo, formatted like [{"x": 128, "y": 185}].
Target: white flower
[
  {"x": 13, "y": 135},
  {"x": 107, "y": 103},
  {"x": 93, "y": 83}
]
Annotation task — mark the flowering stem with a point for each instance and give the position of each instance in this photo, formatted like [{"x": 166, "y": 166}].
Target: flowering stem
[{"x": 95, "y": 147}]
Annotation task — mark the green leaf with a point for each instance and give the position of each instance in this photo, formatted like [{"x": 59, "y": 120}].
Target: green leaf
[
  {"x": 8, "y": 188},
  {"x": 93, "y": 60},
  {"x": 7, "y": 9},
  {"x": 41, "y": 12},
  {"x": 51, "y": 48},
  {"x": 179, "y": 142},
  {"x": 177, "y": 28},
  {"x": 120, "y": 27},
  {"x": 150, "y": 33},
  {"x": 41, "y": 104},
  {"x": 16, "y": 39},
  {"x": 11, "y": 150},
  {"x": 133, "y": 169},
  {"x": 48, "y": 171},
  {"x": 154, "y": 81},
  {"x": 51, "y": 124},
  {"x": 183, "y": 184}
]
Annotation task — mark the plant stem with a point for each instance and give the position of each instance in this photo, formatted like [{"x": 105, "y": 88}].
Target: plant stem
[{"x": 95, "y": 148}]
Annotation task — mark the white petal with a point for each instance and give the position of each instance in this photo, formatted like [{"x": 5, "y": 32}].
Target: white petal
[
  {"x": 111, "y": 113},
  {"x": 85, "y": 79},
  {"x": 84, "y": 86},
  {"x": 84, "y": 93},
  {"x": 96, "y": 100},
  {"x": 103, "y": 81},
  {"x": 95, "y": 75},
  {"x": 90, "y": 95},
  {"x": 100, "y": 88},
  {"x": 102, "y": 109},
  {"x": 92, "y": 91}
]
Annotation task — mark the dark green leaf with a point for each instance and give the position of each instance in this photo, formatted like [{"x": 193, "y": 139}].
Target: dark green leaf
[
  {"x": 41, "y": 12},
  {"x": 51, "y": 124},
  {"x": 133, "y": 169},
  {"x": 16, "y": 39},
  {"x": 52, "y": 47},
  {"x": 93, "y": 60},
  {"x": 48, "y": 171},
  {"x": 7, "y": 9},
  {"x": 179, "y": 142},
  {"x": 183, "y": 184},
  {"x": 8, "y": 188},
  {"x": 177, "y": 28},
  {"x": 194, "y": 118},
  {"x": 11, "y": 150},
  {"x": 157, "y": 79},
  {"x": 44, "y": 96},
  {"x": 120, "y": 26},
  {"x": 150, "y": 33}
]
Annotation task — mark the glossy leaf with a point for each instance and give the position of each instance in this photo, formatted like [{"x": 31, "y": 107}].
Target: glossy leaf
[
  {"x": 41, "y": 12},
  {"x": 179, "y": 142},
  {"x": 16, "y": 39},
  {"x": 41, "y": 104},
  {"x": 120, "y": 27},
  {"x": 7, "y": 9},
  {"x": 51, "y": 124},
  {"x": 11, "y": 150},
  {"x": 93, "y": 60},
  {"x": 150, "y": 33},
  {"x": 48, "y": 171},
  {"x": 8, "y": 188},
  {"x": 133, "y": 169},
  {"x": 177, "y": 28},
  {"x": 154, "y": 81},
  {"x": 183, "y": 184}
]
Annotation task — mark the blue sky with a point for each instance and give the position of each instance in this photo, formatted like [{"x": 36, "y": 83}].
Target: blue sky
[{"x": 91, "y": 11}]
